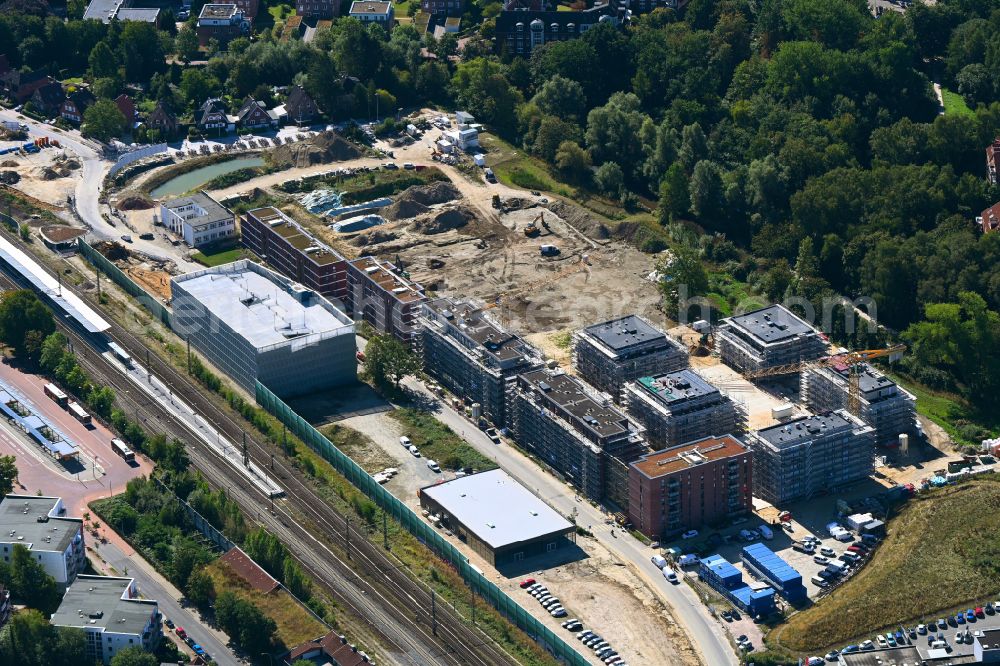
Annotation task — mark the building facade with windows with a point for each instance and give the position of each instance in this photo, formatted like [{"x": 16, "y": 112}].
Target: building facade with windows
[
  {"x": 112, "y": 616},
  {"x": 810, "y": 455},
  {"x": 256, "y": 325},
  {"x": 39, "y": 524},
  {"x": 378, "y": 294},
  {"x": 198, "y": 219},
  {"x": 767, "y": 338},
  {"x": 686, "y": 487},
  {"x": 612, "y": 353},
  {"x": 373, "y": 11}
]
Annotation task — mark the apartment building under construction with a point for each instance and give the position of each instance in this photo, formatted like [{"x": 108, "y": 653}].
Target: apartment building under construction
[
  {"x": 288, "y": 248},
  {"x": 767, "y": 338},
  {"x": 577, "y": 433},
  {"x": 800, "y": 458},
  {"x": 680, "y": 407},
  {"x": 614, "y": 352},
  {"x": 381, "y": 296},
  {"x": 883, "y": 405},
  {"x": 472, "y": 357}
]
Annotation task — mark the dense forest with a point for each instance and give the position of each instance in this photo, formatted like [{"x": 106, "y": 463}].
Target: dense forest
[{"x": 795, "y": 145}]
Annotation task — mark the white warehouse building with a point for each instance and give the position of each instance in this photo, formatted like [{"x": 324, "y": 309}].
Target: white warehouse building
[
  {"x": 257, "y": 325},
  {"x": 37, "y": 523}
]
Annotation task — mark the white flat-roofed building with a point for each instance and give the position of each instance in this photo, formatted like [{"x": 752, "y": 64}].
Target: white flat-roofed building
[
  {"x": 37, "y": 523},
  {"x": 767, "y": 338},
  {"x": 198, "y": 219},
  {"x": 111, "y": 615},
  {"x": 373, "y": 12},
  {"x": 257, "y": 325},
  {"x": 498, "y": 517}
]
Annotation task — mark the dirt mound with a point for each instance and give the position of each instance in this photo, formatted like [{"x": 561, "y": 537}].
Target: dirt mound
[
  {"x": 374, "y": 237},
  {"x": 48, "y": 173},
  {"x": 323, "y": 148},
  {"x": 417, "y": 199},
  {"x": 8, "y": 163},
  {"x": 433, "y": 193},
  {"x": 453, "y": 218},
  {"x": 403, "y": 209},
  {"x": 581, "y": 220},
  {"x": 9, "y": 177},
  {"x": 113, "y": 251},
  {"x": 134, "y": 203}
]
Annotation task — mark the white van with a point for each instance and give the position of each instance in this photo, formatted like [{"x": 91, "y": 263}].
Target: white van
[
  {"x": 766, "y": 532},
  {"x": 658, "y": 561}
]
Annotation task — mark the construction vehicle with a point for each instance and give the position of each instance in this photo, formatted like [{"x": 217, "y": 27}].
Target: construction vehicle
[
  {"x": 533, "y": 228},
  {"x": 854, "y": 361}
]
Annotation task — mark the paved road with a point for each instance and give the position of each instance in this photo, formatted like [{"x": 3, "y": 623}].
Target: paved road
[
  {"x": 88, "y": 188},
  {"x": 705, "y": 633},
  {"x": 153, "y": 586}
]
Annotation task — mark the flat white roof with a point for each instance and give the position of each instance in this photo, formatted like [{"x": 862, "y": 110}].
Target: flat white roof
[
  {"x": 262, "y": 306},
  {"x": 496, "y": 508},
  {"x": 40, "y": 279}
]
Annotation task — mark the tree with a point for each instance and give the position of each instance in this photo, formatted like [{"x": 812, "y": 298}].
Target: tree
[
  {"x": 694, "y": 146},
  {"x": 675, "y": 201},
  {"x": 682, "y": 278},
  {"x": 141, "y": 51},
  {"x": 103, "y": 120},
  {"x": 573, "y": 161},
  {"x": 29, "y": 640},
  {"x": 103, "y": 62},
  {"x": 610, "y": 179},
  {"x": 53, "y": 350},
  {"x": 551, "y": 134},
  {"x": 561, "y": 97},
  {"x": 975, "y": 84},
  {"x": 706, "y": 190},
  {"x": 244, "y": 622},
  {"x": 134, "y": 656},
  {"x": 197, "y": 85},
  {"x": 200, "y": 588},
  {"x": 30, "y": 584},
  {"x": 387, "y": 361},
  {"x": 8, "y": 474},
  {"x": 962, "y": 339},
  {"x": 186, "y": 43},
  {"x": 481, "y": 85},
  {"x": 21, "y": 312},
  {"x": 614, "y": 132}
]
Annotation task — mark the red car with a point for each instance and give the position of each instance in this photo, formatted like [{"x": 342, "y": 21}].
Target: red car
[
  {"x": 854, "y": 549},
  {"x": 980, "y": 613},
  {"x": 526, "y": 582},
  {"x": 180, "y": 632}
]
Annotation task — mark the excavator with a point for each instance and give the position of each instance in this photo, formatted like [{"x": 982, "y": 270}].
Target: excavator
[
  {"x": 534, "y": 227},
  {"x": 853, "y": 360}
]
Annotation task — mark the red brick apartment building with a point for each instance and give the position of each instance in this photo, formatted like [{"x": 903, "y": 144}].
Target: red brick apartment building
[
  {"x": 376, "y": 293},
  {"x": 289, "y": 249},
  {"x": 690, "y": 485}
]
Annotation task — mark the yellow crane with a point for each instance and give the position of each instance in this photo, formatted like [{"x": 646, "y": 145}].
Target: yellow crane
[{"x": 854, "y": 360}]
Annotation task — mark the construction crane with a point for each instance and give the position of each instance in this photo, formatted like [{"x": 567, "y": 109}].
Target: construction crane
[{"x": 854, "y": 360}]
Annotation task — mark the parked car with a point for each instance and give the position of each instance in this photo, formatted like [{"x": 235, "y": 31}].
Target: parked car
[
  {"x": 409, "y": 166},
  {"x": 659, "y": 561},
  {"x": 921, "y": 629},
  {"x": 558, "y": 612},
  {"x": 826, "y": 550},
  {"x": 414, "y": 451},
  {"x": 866, "y": 645},
  {"x": 820, "y": 559},
  {"x": 851, "y": 649},
  {"x": 819, "y": 582},
  {"x": 670, "y": 576},
  {"x": 882, "y": 643},
  {"x": 405, "y": 441},
  {"x": 690, "y": 534},
  {"x": 433, "y": 466},
  {"x": 942, "y": 623},
  {"x": 832, "y": 655},
  {"x": 167, "y": 621},
  {"x": 960, "y": 618},
  {"x": 527, "y": 582},
  {"x": 180, "y": 632},
  {"x": 572, "y": 625}
]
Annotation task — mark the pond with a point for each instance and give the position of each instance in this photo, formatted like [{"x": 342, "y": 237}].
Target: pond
[{"x": 194, "y": 179}]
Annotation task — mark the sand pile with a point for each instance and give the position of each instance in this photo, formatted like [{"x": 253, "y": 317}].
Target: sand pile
[
  {"x": 134, "y": 203},
  {"x": 323, "y": 148},
  {"x": 416, "y": 200},
  {"x": 446, "y": 220}
]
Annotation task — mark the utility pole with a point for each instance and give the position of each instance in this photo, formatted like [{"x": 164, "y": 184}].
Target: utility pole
[
  {"x": 347, "y": 536},
  {"x": 385, "y": 531},
  {"x": 434, "y": 624},
  {"x": 189, "y": 355},
  {"x": 98, "y": 286},
  {"x": 246, "y": 456},
  {"x": 149, "y": 368},
  {"x": 272, "y": 461}
]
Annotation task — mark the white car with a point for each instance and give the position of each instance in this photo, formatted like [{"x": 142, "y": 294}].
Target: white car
[
  {"x": 670, "y": 576},
  {"x": 414, "y": 450},
  {"x": 819, "y": 559},
  {"x": 690, "y": 534},
  {"x": 433, "y": 466},
  {"x": 826, "y": 550},
  {"x": 405, "y": 441}
]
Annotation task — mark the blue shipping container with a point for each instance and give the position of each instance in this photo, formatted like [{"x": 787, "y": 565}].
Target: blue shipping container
[{"x": 770, "y": 568}]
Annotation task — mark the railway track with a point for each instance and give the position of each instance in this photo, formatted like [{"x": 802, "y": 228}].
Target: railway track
[{"x": 372, "y": 584}]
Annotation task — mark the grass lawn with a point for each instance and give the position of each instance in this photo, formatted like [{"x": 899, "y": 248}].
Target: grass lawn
[
  {"x": 295, "y": 624},
  {"x": 281, "y": 12},
  {"x": 945, "y": 409},
  {"x": 729, "y": 294},
  {"x": 954, "y": 103},
  {"x": 402, "y": 8},
  {"x": 942, "y": 553},
  {"x": 516, "y": 169},
  {"x": 438, "y": 442},
  {"x": 217, "y": 258}
]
